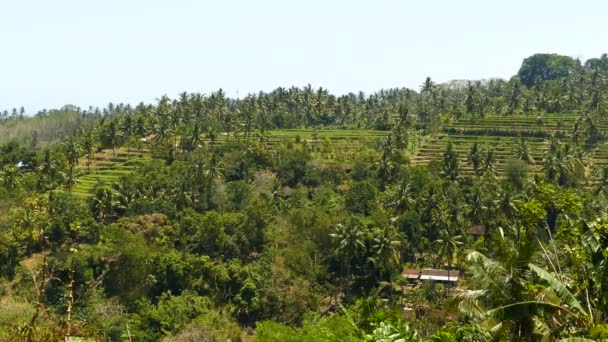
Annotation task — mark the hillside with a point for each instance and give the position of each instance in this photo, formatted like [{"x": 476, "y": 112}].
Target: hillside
[{"x": 472, "y": 211}]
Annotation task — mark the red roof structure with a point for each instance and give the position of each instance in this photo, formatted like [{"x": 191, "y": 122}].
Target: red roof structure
[{"x": 411, "y": 273}]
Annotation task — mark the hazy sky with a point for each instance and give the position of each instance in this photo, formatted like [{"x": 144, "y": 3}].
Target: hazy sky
[{"x": 88, "y": 52}]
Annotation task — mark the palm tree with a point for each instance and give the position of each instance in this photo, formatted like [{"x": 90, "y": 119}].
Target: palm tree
[
  {"x": 386, "y": 169},
  {"x": 174, "y": 120},
  {"x": 405, "y": 118},
  {"x": 350, "y": 240},
  {"x": 105, "y": 203},
  {"x": 70, "y": 178},
  {"x": 321, "y": 105},
  {"x": 475, "y": 157},
  {"x": 161, "y": 129},
  {"x": 88, "y": 143},
  {"x": 507, "y": 203},
  {"x": 47, "y": 164},
  {"x": 182, "y": 196},
  {"x": 470, "y": 99},
  {"x": 448, "y": 247},
  {"x": 563, "y": 165},
  {"x": 401, "y": 139},
  {"x": 127, "y": 131},
  {"x": 595, "y": 246},
  {"x": 247, "y": 110},
  {"x": 602, "y": 182},
  {"x": 515, "y": 96},
  {"x": 385, "y": 249},
  {"x": 140, "y": 127},
  {"x": 390, "y": 332},
  {"x": 449, "y": 165},
  {"x": 489, "y": 161},
  {"x": 428, "y": 87},
  {"x": 71, "y": 150},
  {"x": 592, "y": 132},
  {"x": 523, "y": 153},
  {"x": 10, "y": 177},
  {"x": 113, "y": 136},
  {"x": 402, "y": 199},
  {"x": 183, "y": 107},
  {"x": 432, "y": 210},
  {"x": 500, "y": 294}
]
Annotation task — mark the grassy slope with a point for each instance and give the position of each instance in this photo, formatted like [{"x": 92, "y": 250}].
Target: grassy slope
[
  {"x": 345, "y": 145},
  {"x": 49, "y": 128},
  {"x": 485, "y": 129},
  {"x": 107, "y": 168}
]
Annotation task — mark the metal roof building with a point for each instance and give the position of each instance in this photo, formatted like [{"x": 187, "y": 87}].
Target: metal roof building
[{"x": 431, "y": 274}]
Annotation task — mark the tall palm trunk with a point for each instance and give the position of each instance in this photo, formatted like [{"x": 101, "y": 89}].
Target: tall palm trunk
[{"x": 89, "y": 159}]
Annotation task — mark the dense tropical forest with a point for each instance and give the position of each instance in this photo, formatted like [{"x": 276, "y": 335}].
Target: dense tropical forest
[{"x": 296, "y": 215}]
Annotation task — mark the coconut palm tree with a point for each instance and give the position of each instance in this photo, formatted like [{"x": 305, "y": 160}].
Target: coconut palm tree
[
  {"x": 475, "y": 157},
  {"x": 428, "y": 88},
  {"x": 127, "y": 131},
  {"x": 601, "y": 182},
  {"x": 448, "y": 247},
  {"x": 88, "y": 144},
  {"x": 384, "y": 249},
  {"x": 432, "y": 210},
  {"x": 113, "y": 136},
  {"x": 489, "y": 164},
  {"x": 563, "y": 165},
  {"x": 500, "y": 294},
  {"x": 402, "y": 198},
  {"x": 140, "y": 127},
  {"x": 70, "y": 178},
  {"x": 522, "y": 152},
  {"x": 350, "y": 244},
  {"x": 450, "y": 167},
  {"x": 182, "y": 194},
  {"x": 470, "y": 99},
  {"x": 71, "y": 150},
  {"x": 105, "y": 203},
  {"x": 507, "y": 202},
  {"x": 10, "y": 177}
]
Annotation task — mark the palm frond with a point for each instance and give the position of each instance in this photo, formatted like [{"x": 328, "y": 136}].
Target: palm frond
[
  {"x": 522, "y": 310},
  {"x": 560, "y": 289}
]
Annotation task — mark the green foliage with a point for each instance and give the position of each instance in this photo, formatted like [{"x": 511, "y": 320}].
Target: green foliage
[
  {"x": 332, "y": 328},
  {"x": 218, "y": 226},
  {"x": 292, "y": 167},
  {"x": 544, "y": 67},
  {"x": 516, "y": 172},
  {"x": 360, "y": 198},
  {"x": 47, "y": 127},
  {"x": 168, "y": 316}
]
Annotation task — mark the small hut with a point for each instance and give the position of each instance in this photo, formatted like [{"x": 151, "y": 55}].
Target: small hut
[{"x": 477, "y": 230}]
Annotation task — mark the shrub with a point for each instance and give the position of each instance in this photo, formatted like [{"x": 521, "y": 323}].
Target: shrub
[{"x": 361, "y": 198}]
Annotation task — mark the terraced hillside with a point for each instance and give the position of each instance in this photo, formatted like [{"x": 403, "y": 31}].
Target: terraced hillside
[
  {"x": 502, "y": 134},
  {"x": 503, "y": 149},
  {"x": 517, "y": 124},
  {"x": 107, "y": 168},
  {"x": 341, "y": 146},
  {"x": 329, "y": 146}
]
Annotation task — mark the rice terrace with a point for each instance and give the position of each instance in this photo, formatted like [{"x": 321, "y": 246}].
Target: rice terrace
[{"x": 387, "y": 171}]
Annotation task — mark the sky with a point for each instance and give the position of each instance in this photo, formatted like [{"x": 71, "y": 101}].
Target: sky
[{"x": 92, "y": 52}]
